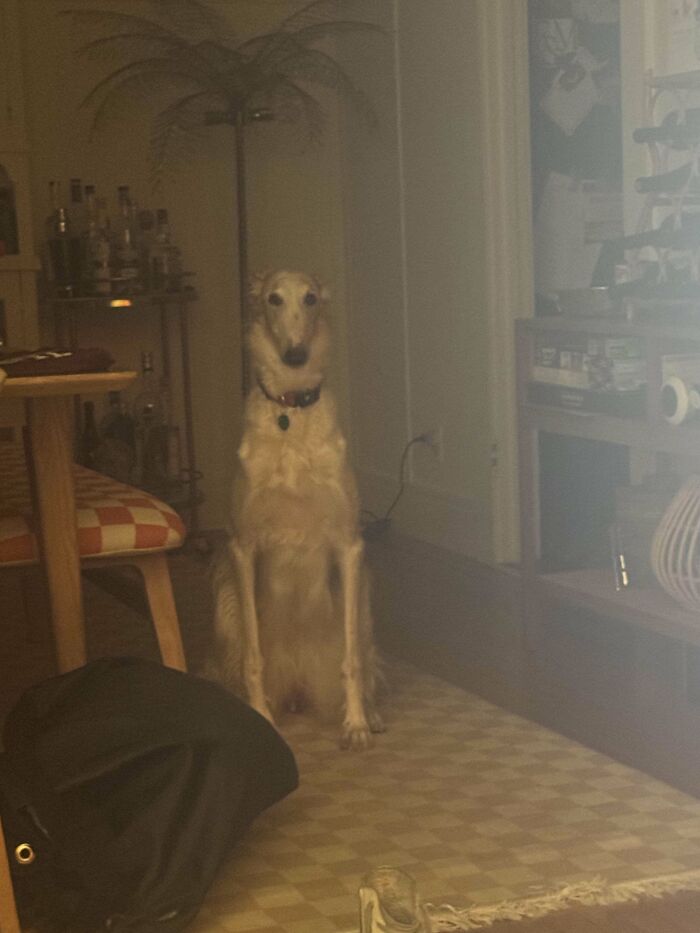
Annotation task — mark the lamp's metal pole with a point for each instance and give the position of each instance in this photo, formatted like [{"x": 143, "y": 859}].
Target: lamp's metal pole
[{"x": 242, "y": 245}]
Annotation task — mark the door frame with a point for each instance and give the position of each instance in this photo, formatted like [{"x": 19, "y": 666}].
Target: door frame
[{"x": 503, "y": 50}]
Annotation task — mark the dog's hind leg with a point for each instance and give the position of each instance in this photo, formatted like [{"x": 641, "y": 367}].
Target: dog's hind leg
[
  {"x": 224, "y": 663},
  {"x": 356, "y": 731},
  {"x": 244, "y": 560}
]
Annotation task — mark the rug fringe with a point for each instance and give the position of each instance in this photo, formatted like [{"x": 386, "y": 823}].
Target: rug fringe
[{"x": 597, "y": 893}]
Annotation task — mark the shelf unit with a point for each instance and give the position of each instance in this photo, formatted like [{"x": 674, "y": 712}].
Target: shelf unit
[
  {"x": 590, "y": 588},
  {"x": 683, "y": 90},
  {"x": 67, "y": 315}
]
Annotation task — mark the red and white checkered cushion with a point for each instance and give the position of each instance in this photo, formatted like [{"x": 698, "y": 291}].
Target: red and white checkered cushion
[{"x": 112, "y": 518}]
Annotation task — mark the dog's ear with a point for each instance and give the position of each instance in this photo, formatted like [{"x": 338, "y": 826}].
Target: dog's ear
[
  {"x": 323, "y": 290},
  {"x": 256, "y": 283}
]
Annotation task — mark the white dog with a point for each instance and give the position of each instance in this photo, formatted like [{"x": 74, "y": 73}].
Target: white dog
[{"x": 292, "y": 598}]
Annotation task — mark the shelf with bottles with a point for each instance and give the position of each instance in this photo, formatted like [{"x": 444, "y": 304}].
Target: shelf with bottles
[
  {"x": 98, "y": 253},
  {"x": 124, "y": 302},
  {"x": 127, "y": 263},
  {"x": 137, "y": 442}
]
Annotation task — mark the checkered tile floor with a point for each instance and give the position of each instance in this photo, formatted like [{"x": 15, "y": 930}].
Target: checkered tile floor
[{"x": 477, "y": 804}]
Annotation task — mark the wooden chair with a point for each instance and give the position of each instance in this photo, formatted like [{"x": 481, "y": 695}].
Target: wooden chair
[{"x": 117, "y": 524}]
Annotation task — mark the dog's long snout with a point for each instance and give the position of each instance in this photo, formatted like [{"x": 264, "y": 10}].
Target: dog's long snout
[{"x": 296, "y": 356}]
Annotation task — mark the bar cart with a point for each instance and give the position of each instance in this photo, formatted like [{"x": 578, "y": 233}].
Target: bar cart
[{"x": 172, "y": 309}]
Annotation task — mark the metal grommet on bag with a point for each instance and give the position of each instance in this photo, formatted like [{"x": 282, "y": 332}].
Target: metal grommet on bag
[{"x": 24, "y": 854}]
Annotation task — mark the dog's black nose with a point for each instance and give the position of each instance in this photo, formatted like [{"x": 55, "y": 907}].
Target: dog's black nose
[{"x": 295, "y": 356}]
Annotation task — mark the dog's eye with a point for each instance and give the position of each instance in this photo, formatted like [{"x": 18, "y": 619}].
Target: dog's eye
[
  {"x": 274, "y": 299},
  {"x": 310, "y": 299}
]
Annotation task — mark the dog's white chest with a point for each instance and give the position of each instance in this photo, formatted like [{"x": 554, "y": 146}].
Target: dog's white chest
[
  {"x": 310, "y": 452},
  {"x": 273, "y": 463},
  {"x": 295, "y": 483}
]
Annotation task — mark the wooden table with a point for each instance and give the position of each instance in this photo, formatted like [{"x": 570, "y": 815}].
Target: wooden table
[{"x": 49, "y": 407}]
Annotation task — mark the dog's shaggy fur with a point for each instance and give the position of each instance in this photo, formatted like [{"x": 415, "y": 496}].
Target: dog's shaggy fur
[{"x": 292, "y": 595}]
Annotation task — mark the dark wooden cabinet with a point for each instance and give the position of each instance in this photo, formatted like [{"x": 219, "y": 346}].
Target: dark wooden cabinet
[{"x": 616, "y": 669}]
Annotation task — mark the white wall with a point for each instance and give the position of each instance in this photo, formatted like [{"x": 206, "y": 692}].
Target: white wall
[{"x": 419, "y": 347}]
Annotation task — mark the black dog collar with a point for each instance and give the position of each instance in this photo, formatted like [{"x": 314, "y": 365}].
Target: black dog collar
[{"x": 292, "y": 399}]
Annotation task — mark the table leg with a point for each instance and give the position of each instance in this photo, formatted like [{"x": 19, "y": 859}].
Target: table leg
[{"x": 50, "y": 430}]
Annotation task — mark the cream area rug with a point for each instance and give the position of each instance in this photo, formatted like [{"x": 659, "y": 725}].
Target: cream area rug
[
  {"x": 390, "y": 903},
  {"x": 492, "y": 817}
]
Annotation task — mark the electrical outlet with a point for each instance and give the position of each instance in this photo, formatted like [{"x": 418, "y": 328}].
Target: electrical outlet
[{"x": 434, "y": 440}]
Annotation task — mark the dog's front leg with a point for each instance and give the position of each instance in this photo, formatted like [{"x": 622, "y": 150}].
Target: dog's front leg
[
  {"x": 244, "y": 560},
  {"x": 356, "y": 731}
]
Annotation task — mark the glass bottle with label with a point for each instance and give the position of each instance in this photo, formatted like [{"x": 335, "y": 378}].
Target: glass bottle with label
[
  {"x": 127, "y": 255},
  {"x": 9, "y": 236},
  {"x": 116, "y": 455},
  {"x": 77, "y": 210},
  {"x": 60, "y": 254},
  {"x": 90, "y": 241},
  {"x": 147, "y": 239},
  {"x": 150, "y": 417},
  {"x": 166, "y": 266}
]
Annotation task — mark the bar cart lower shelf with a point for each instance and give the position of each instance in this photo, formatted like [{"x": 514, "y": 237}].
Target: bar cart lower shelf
[{"x": 172, "y": 311}]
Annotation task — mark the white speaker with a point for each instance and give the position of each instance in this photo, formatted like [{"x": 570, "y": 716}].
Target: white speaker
[{"x": 680, "y": 401}]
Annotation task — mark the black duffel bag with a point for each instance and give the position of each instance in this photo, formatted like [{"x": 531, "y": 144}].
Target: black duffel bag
[{"x": 123, "y": 785}]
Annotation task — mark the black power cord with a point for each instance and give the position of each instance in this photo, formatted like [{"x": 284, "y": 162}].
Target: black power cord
[{"x": 373, "y": 526}]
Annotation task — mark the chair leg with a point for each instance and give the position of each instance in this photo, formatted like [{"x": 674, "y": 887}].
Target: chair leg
[
  {"x": 156, "y": 577},
  {"x": 9, "y": 921}
]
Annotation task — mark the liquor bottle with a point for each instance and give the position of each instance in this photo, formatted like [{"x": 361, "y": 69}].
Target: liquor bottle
[
  {"x": 166, "y": 267},
  {"x": 60, "y": 254},
  {"x": 150, "y": 417},
  {"x": 90, "y": 238},
  {"x": 96, "y": 246},
  {"x": 116, "y": 455},
  {"x": 147, "y": 238},
  {"x": 117, "y": 422},
  {"x": 127, "y": 256},
  {"x": 76, "y": 211},
  {"x": 678, "y": 129},
  {"x": 90, "y": 207},
  {"x": 9, "y": 237},
  {"x": 672, "y": 182},
  {"x": 90, "y": 436},
  {"x": 103, "y": 251},
  {"x": 54, "y": 204}
]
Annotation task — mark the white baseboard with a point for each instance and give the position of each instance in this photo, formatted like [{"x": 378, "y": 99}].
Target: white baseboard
[{"x": 456, "y": 523}]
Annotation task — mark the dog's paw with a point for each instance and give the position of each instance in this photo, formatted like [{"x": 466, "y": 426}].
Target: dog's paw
[{"x": 356, "y": 737}]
